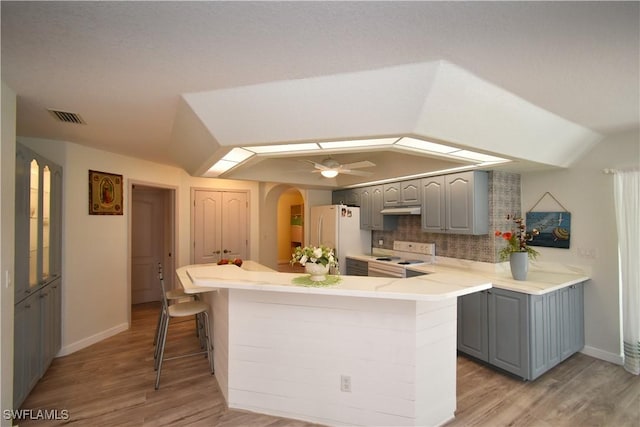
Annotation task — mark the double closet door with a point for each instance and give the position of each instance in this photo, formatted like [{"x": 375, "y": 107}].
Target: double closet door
[{"x": 220, "y": 225}]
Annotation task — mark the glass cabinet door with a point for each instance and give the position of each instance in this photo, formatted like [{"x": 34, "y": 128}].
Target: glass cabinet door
[
  {"x": 34, "y": 221},
  {"x": 46, "y": 223},
  {"x": 38, "y": 221}
]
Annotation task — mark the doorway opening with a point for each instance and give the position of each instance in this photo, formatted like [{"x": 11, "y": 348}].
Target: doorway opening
[
  {"x": 152, "y": 235},
  {"x": 290, "y": 217}
]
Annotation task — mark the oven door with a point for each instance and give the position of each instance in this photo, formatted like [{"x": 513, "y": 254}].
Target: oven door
[{"x": 385, "y": 269}]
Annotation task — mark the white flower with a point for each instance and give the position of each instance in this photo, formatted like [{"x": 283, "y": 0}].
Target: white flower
[{"x": 317, "y": 255}]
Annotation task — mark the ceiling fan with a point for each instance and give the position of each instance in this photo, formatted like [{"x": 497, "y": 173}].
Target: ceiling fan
[{"x": 329, "y": 168}]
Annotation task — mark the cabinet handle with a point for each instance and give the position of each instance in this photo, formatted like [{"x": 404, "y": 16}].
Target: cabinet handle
[
  {"x": 572, "y": 286},
  {"x": 43, "y": 295},
  {"x": 216, "y": 252},
  {"x": 27, "y": 306},
  {"x": 226, "y": 251},
  {"x": 27, "y": 291},
  {"x": 489, "y": 292}
]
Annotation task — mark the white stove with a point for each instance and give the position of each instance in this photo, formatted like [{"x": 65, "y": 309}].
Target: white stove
[{"x": 394, "y": 263}]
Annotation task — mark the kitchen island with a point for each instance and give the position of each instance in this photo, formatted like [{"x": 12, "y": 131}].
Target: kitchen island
[{"x": 366, "y": 351}]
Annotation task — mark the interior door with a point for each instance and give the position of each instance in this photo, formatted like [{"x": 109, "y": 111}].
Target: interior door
[
  {"x": 147, "y": 238},
  {"x": 234, "y": 225},
  {"x": 207, "y": 223},
  {"x": 220, "y": 225}
]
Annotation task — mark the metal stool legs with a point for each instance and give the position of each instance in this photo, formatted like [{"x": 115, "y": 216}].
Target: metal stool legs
[{"x": 199, "y": 309}]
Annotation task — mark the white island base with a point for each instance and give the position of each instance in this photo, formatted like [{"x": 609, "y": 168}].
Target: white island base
[{"x": 333, "y": 359}]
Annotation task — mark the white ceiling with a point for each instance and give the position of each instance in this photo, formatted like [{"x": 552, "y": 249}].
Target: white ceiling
[{"x": 124, "y": 66}]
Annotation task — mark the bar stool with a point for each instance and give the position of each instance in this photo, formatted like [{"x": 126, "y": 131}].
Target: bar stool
[
  {"x": 199, "y": 309},
  {"x": 172, "y": 296}
]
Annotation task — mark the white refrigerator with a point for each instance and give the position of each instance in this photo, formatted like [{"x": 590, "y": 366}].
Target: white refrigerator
[{"x": 338, "y": 227}]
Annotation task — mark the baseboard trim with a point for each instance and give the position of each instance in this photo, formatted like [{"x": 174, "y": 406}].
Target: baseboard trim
[
  {"x": 86, "y": 342},
  {"x": 603, "y": 355}
]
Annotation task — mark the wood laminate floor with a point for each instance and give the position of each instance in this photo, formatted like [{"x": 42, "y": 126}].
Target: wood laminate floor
[{"x": 111, "y": 384}]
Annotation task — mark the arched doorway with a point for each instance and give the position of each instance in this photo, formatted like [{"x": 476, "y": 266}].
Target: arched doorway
[
  {"x": 290, "y": 226},
  {"x": 275, "y": 219}
]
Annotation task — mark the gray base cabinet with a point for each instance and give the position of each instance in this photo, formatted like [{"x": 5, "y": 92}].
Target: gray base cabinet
[
  {"x": 37, "y": 338},
  {"x": 523, "y": 334},
  {"x": 26, "y": 356},
  {"x": 356, "y": 267}
]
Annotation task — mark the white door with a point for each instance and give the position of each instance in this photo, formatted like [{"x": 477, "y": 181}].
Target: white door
[
  {"x": 234, "y": 225},
  {"x": 220, "y": 224},
  {"x": 147, "y": 239}
]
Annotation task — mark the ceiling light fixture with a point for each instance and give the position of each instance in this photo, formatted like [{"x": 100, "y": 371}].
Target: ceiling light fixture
[
  {"x": 329, "y": 173},
  {"x": 238, "y": 155},
  {"x": 231, "y": 159},
  {"x": 283, "y": 148}
]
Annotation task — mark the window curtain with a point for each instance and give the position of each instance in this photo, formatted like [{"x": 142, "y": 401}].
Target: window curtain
[{"x": 627, "y": 201}]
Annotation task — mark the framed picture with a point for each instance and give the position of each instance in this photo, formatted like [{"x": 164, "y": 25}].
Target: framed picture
[
  {"x": 105, "y": 193},
  {"x": 554, "y": 228}
]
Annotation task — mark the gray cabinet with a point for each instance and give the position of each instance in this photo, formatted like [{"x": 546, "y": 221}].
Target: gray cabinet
[
  {"x": 26, "y": 356},
  {"x": 371, "y": 203},
  {"x": 473, "y": 330},
  {"x": 412, "y": 273},
  {"x": 51, "y": 318},
  {"x": 508, "y": 315},
  {"x": 571, "y": 317},
  {"x": 38, "y": 267},
  {"x": 350, "y": 197},
  {"x": 356, "y": 267},
  {"x": 402, "y": 193},
  {"x": 456, "y": 203},
  {"x": 523, "y": 334}
]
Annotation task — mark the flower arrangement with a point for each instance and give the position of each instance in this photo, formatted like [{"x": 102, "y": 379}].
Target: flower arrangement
[
  {"x": 317, "y": 255},
  {"x": 517, "y": 240}
]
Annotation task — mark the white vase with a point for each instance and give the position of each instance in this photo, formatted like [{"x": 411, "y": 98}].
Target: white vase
[
  {"x": 318, "y": 272},
  {"x": 519, "y": 262}
]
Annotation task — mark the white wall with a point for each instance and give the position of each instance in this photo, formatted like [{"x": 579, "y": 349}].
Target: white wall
[
  {"x": 95, "y": 255},
  {"x": 7, "y": 227},
  {"x": 587, "y": 193}
]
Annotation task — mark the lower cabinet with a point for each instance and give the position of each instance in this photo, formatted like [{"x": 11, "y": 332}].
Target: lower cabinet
[
  {"x": 37, "y": 337},
  {"x": 523, "y": 334},
  {"x": 26, "y": 347},
  {"x": 356, "y": 267}
]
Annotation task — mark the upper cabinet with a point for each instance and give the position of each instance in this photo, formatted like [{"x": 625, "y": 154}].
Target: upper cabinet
[
  {"x": 402, "y": 193},
  {"x": 349, "y": 196},
  {"x": 456, "y": 203},
  {"x": 38, "y": 210},
  {"x": 371, "y": 203}
]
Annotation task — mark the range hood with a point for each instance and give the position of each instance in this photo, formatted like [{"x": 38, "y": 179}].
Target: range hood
[{"x": 408, "y": 210}]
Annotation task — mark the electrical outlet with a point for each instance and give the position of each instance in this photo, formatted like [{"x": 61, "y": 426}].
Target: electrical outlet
[
  {"x": 345, "y": 383},
  {"x": 380, "y": 242}
]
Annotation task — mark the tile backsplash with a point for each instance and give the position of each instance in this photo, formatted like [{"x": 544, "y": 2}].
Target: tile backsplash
[{"x": 504, "y": 199}]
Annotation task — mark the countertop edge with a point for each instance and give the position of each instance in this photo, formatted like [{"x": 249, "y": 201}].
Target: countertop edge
[
  {"x": 498, "y": 281},
  {"x": 387, "y": 290}
]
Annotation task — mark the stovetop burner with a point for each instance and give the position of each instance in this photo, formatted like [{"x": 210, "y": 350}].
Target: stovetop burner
[{"x": 387, "y": 258}]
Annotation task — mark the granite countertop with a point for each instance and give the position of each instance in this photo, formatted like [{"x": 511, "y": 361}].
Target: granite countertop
[{"x": 253, "y": 276}]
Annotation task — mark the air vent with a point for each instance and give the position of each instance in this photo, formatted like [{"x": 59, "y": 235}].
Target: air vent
[{"x": 67, "y": 117}]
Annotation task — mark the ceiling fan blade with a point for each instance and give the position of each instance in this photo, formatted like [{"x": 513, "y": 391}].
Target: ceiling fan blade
[
  {"x": 318, "y": 166},
  {"x": 358, "y": 173},
  {"x": 357, "y": 165}
]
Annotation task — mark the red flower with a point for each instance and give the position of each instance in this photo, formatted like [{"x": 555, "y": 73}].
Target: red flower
[
  {"x": 498, "y": 233},
  {"x": 507, "y": 235}
]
